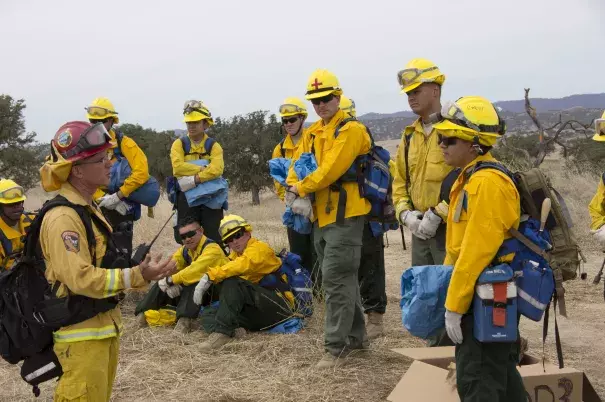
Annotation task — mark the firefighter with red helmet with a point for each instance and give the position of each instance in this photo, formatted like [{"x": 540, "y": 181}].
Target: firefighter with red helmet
[{"x": 88, "y": 349}]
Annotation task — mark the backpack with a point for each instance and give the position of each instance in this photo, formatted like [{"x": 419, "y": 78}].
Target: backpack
[
  {"x": 186, "y": 143},
  {"x": 281, "y": 148},
  {"x": 298, "y": 282},
  {"x": 172, "y": 184},
  {"x": 30, "y": 310},
  {"x": 373, "y": 177},
  {"x": 148, "y": 194},
  {"x": 186, "y": 256},
  {"x": 565, "y": 256},
  {"x": 544, "y": 259}
]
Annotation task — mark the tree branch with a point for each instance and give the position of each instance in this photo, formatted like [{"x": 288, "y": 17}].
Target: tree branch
[{"x": 526, "y": 155}]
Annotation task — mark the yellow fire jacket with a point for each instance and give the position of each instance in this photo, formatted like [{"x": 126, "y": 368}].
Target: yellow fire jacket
[
  {"x": 427, "y": 170},
  {"x": 16, "y": 237},
  {"x": 289, "y": 152},
  {"x": 181, "y": 167},
  {"x": 201, "y": 262},
  {"x": 136, "y": 159},
  {"x": 68, "y": 260},
  {"x": 334, "y": 157},
  {"x": 596, "y": 208},
  {"x": 472, "y": 241},
  {"x": 257, "y": 260}
]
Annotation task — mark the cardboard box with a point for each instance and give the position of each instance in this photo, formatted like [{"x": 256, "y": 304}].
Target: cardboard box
[{"x": 426, "y": 379}]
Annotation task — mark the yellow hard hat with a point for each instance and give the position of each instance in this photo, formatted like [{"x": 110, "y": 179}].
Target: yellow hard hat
[
  {"x": 231, "y": 224},
  {"x": 599, "y": 125},
  {"x": 322, "y": 83},
  {"x": 292, "y": 107},
  {"x": 348, "y": 106},
  {"x": 471, "y": 118},
  {"x": 101, "y": 108},
  {"x": 11, "y": 192},
  {"x": 417, "y": 72},
  {"x": 195, "y": 110}
]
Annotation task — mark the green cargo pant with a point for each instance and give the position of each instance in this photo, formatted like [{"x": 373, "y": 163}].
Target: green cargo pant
[
  {"x": 371, "y": 274},
  {"x": 338, "y": 248},
  {"x": 487, "y": 372},
  {"x": 156, "y": 299},
  {"x": 243, "y": 304},
  {"x": 431, "y": 251}
]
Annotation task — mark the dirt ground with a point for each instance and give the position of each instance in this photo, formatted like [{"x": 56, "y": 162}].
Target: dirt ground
[{"x": 158, "y": 364}]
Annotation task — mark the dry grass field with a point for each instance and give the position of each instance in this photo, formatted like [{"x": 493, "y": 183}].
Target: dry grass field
[{"x": 158, "y": 364}]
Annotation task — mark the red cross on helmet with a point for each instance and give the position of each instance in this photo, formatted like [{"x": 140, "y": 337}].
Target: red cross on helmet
[
  {"x": 322, "y": 83},
  {"x": 78, "y": 140}
]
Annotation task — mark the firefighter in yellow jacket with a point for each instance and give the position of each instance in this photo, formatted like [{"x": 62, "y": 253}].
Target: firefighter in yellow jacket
[
  {"x": 243, "y": 303},
  {"x": 420, "y": 164},
  {"x": 293, "y": 113},
  {"x": 340, "y": 211},
  {"x": 197, "y": 255},
  {"x": 13, "y": 222},
  {"x": 372, "y": 275},
  {"x": 484, "y": 206},
  {"x": 597, "y": 204},
  {"x": 87, "y": 348},
  {"x": 120, "y": 212},
  {"x": 197, "y": 145}
]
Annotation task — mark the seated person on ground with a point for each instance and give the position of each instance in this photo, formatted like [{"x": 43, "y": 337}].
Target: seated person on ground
[
  {"x": 193, "y": 260},
  {"x": 242, "y": 302}
]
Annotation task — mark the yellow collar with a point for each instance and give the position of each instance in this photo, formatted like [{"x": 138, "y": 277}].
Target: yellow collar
[
  {"x": 72, "y": 195},
  {"x": 10, "y": 232}
]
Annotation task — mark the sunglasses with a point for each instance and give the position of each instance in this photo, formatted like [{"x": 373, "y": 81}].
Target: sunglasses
[
  {"x": 235, "y": 236},
  {"x": 106, "y": 158},
  {"x": 323, "y": 99},
  {"x": 446, "y": 141},
  {"x": 189, "y": 234},
  {"x": 289, "y": 120}
]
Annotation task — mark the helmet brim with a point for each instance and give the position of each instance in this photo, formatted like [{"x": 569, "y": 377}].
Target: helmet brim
[{"x": 321, "y": 94}]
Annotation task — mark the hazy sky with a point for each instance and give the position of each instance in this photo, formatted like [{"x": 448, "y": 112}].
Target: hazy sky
[{"x": 150, "y": 56}]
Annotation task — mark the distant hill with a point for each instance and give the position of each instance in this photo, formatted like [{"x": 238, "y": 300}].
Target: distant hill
[
  {"x": 587, "y": 101},
  {"x": 583, "y": 108},
  {"x": 377, "y": 116}
]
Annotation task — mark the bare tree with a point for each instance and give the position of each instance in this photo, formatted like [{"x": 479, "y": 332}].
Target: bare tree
[{"x": 551, "y": 134}]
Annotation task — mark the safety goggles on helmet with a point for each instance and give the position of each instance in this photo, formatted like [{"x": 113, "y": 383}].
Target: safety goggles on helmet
[
  {"x": 599, "y": 125},
  {"x": 100, "y": 112},
  {"x": 452, "y": 112},
  {"x": 291, "y": 109},
  {"x": 195, "y": 106},
  {"x": 94, "y": 137},
  {"x": 323, "y": 99},
  {"x": 12, "y": 193},
  {"x": 409, "y": 76}
]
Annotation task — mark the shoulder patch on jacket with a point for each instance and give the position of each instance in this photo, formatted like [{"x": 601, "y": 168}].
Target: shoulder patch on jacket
[{"x": 71, "y": 240}]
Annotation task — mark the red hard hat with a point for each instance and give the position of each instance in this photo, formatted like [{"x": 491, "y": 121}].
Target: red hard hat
[{"x": 76, "y": 140}]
